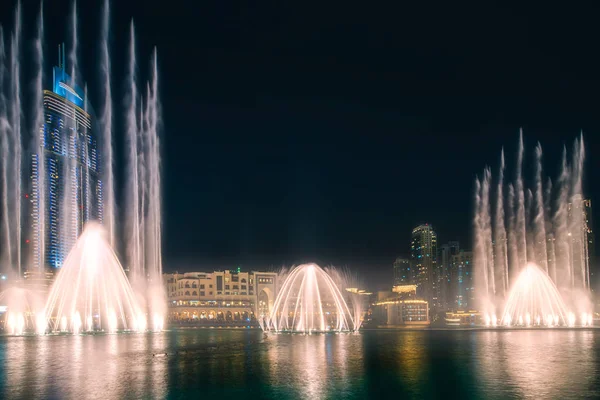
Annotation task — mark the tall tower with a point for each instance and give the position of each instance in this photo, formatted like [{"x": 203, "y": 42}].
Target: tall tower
[
  {"x": 423, "y": 251},
  {"x": 448, "y": 275},
  {"x": 66, "y": 184}
]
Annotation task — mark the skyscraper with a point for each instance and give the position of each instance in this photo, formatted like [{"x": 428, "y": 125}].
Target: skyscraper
[
  {"x": 423, "y": 253},
  {"x": 464, "y": 285},
  {"x": 66, "y": 184},
  {"x": 447, "y": 275},
  {"x": 580, "y": 233},
  {"x": 404, "y": 273}
]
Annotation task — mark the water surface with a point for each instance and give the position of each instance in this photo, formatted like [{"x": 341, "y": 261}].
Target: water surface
[{"x": 247, "y": 364}]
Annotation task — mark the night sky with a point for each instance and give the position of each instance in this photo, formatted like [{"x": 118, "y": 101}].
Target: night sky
[{"x": 325, "y": 131}]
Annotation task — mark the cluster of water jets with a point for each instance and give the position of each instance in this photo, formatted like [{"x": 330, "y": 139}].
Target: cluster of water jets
[
  {"x": 530, "y": 252},
  {"x": 313, "y": 300},
  {"x": 91, "y": 291}
]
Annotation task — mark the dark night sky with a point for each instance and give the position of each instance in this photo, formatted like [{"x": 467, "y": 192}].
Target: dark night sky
[{"x": 299, "y": 131}]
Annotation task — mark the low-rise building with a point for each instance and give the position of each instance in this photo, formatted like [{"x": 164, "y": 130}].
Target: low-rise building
[
  {"x": 229, "y": 296},
  {"x": 400, "y": 307}
]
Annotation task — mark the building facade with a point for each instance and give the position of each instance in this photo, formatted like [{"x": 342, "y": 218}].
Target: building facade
[
  {"x": 66, "y": 187},
  {"x": 229, "y": 296},
  {"x": 404, "y": 273},
  {"x": 400, "y": 307},
  {"x": 463, "y": 287},
  {"x": 446, "y": 274},
  {"x": 424, "y": 251}
]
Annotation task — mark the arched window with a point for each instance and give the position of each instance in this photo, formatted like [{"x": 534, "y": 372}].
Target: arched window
[
  {"x": 194, "y": 285},
  {"x": 194, "y": 293},
  {"x": 243, "y": 280},
  {"x": 187, "y": 292},
  {"x": 187, "y": 285}
]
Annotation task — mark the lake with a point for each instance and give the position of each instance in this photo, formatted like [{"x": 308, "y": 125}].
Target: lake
[{"x": 247, "y": 364}]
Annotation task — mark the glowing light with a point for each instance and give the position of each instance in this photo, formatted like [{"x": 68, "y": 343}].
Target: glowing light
[{"x": 307, "y": 294}]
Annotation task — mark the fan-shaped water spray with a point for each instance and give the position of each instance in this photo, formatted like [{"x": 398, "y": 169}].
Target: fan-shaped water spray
[
  {"x": 310, "y": 301},
  {"x": 535, "y": 300},
  {"x": 91, "y": 291},
  {"x": 23, "y": 310}
]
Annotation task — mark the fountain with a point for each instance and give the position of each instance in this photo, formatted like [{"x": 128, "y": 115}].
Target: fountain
[
  {"x": 92, "y": 288},
  {"x": 71, "y": 171},
  {"x": 531, "y": 264},
  {"x": 310, "y": 301}
]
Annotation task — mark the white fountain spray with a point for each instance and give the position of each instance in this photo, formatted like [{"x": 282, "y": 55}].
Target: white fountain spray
[
  {"x": 6, "y": 236},
  {"x": 39, "y": 150},
  {"x": 500, "y": 239},
  {"x": 106, "y": 123},
  {"x": 539, "y": 223},
  {"x": 15, "y": 173},
  {"x": 133, "y": 207},
  {"x": 520, "y": 207},
  {"x": 552, "y": 290}
]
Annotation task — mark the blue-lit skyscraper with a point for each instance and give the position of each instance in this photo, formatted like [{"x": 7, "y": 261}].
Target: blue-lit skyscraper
[{"x": 68, "y": 190}]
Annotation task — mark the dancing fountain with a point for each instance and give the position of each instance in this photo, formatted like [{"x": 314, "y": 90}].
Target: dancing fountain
[
  {"x": 310, "y": 301},
  {"x": 531, "y": 264},
  {"x": 91, "y": 291},
  {"x": 69, "y": 183}
]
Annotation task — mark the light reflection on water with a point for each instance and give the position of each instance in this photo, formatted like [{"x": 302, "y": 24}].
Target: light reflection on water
[{"x": 249, "y": 364}]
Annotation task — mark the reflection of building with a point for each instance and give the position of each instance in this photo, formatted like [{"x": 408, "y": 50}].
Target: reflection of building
[
  {"x": 423, "y": 252},
  {"x": 404, "y": 273},
  {"x": 66, "y": 185},
  {"x": 462, "y": 266},
  {"x": 220, "y": 296},
  {"x": 400, "y": 307}
]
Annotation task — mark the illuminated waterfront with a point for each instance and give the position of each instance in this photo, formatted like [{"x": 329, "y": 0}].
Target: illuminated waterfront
[{"x": 247, "y": 364}]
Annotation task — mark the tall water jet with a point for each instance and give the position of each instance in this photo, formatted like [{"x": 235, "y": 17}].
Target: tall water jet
[
  {"x": 106, "y": 123},
  {"x": 92, "y": 286},
  {"x": 563, "y": 258},
  {"x": 520, "y": 206},
  {"x": 38, "y": 153},
  {"x": 133, "y": 207},
  {"x": 555, "y": 229},
  {"x": 549, "y": 231},
  {"x": 539, "y": 223},
  {"x": 500, "y": 239},
  {"x": 15, "y": 173},
  {"x": 310, "y": 301},
  {"x": 6, "y": 236},
  {"x": 154, "y": 226}
]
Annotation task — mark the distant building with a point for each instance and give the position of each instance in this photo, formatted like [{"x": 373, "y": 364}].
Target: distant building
[
  {"x": 581, "y": 240},
  {"x": 404, "y": 273},
  {"x": 447, "y": 276},
  {"x": 400, "y": 307},
  {"x": 221, "y": 296},
  {"x": 464, "y": 286},
  {"x": 424, "y": 257}
]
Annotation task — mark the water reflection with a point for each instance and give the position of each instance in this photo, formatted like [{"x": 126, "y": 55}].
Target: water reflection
[
  {"x": 538, "y": 364},
  {"x": 250, "y": 364}
]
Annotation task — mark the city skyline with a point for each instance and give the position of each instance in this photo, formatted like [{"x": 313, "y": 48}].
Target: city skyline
[{"x": 336, "y": 188}]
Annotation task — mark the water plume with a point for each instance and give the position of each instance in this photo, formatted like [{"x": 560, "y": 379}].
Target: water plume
[
  {"x": 548, "y": 230},
  {"x": 309, "y": 301}
]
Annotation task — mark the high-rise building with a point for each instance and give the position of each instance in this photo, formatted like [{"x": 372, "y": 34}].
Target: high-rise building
[
  {"x": 404, "y": 273},
  {"x": 591, "y": 242},
  {"x": 423, "y": 253},
  {"x": 464, "y": 285},
  {"x": 447, "y": 275},
  {"x": 66, "y": 184},
  {"x": 580, "y": 234}
]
